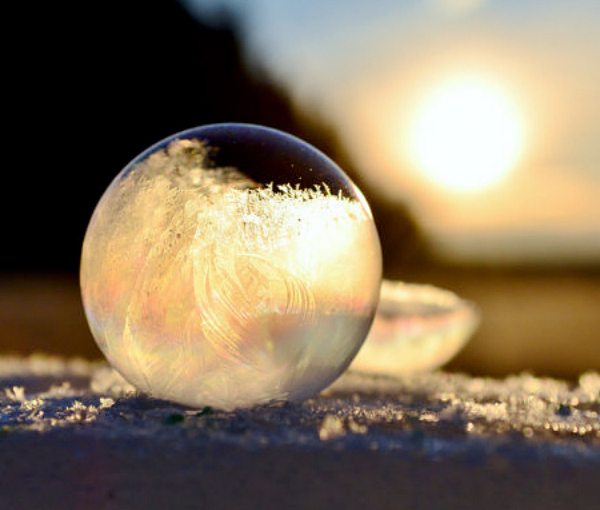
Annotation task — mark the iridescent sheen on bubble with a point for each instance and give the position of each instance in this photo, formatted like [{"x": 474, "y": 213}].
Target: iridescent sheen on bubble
[
  {"x": 231, "y": 265},
  {"x": 417, "y": 328}
]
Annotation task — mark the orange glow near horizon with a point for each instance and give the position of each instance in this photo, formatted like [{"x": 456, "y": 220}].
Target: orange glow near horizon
[{"x": 491, "y": 157}]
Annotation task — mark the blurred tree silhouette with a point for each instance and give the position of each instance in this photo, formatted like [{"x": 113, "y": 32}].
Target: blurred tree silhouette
[{"x": 110, "y": 79}]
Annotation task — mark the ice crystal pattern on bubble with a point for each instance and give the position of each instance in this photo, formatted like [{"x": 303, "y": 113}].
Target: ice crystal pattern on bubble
[{"x": 205, "y": 287}]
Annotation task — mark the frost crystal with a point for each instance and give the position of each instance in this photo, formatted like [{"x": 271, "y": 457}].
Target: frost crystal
[{"x": 217, "y": 277}]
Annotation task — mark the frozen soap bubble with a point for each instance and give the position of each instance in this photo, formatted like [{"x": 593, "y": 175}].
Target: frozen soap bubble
[
  {"x": 417, "y": 328},
  {"x": 231, "y": 265}
]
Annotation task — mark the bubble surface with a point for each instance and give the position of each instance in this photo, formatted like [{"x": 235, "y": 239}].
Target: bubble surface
[
  {"x": 417, "y": 328},
  {"x": 231, "y": 265}
]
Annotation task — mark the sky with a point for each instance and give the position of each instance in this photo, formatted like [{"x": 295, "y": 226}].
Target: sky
[{"x": 483, "y": 116}]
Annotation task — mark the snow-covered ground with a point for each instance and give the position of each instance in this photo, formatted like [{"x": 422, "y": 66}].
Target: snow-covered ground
[{"x": 74, "y": 435}]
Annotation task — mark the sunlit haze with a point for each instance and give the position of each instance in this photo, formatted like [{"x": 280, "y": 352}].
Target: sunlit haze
[
  {"x": 483, "y": 116},
  {"x": 466, "y": 136}
]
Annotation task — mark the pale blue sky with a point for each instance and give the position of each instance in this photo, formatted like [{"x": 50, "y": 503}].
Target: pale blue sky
[{"x": 366, "y": 63}]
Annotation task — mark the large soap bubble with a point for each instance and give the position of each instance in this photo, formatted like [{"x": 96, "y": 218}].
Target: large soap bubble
[{"x": 231, "y": 265}]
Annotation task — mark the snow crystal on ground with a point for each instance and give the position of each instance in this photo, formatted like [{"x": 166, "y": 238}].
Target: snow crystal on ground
[{"x": 440, "y": 414}]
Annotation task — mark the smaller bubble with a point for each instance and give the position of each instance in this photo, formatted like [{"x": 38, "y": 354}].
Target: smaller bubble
[{"x": 417, "y": 328}]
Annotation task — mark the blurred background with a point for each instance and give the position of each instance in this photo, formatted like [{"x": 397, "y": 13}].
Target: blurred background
[{"x": 472, "y": 127}]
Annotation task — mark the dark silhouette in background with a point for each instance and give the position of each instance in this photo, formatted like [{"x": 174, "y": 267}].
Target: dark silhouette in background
[
  {"x": 87, "y": 88},
  {"x": 106, "y": 81}
]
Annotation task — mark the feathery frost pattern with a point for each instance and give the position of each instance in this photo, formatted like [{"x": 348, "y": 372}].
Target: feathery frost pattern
[{"x": 200, "y": 282}]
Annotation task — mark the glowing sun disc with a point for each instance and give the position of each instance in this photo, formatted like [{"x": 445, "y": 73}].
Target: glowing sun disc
[{"x": 467, "y": 136}]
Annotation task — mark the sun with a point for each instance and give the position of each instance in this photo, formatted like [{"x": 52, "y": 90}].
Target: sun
[{"x": 467, "y": 135}]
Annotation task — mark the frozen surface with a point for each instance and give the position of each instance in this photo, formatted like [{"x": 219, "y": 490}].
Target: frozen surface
[{"x": 75, "y": 426}]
